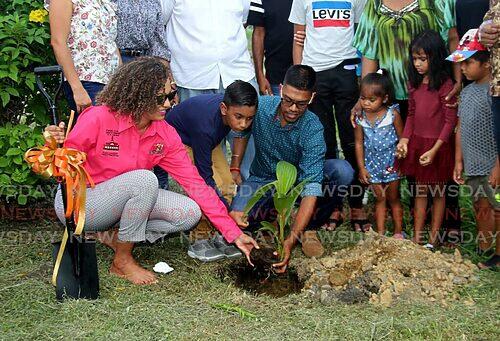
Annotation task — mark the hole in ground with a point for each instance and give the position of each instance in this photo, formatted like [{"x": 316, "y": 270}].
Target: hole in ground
[{"x": 261, "y": 282}]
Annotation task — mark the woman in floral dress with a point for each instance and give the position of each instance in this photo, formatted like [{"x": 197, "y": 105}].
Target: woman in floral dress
[{"x": 83, "y": 35}]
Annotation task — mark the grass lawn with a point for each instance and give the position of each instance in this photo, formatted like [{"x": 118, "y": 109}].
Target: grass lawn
[{"x": 193, "y": 302}]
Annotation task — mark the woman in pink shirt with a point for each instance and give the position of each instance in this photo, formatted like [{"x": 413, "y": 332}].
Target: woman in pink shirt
[{"x": 124, "y": 138}]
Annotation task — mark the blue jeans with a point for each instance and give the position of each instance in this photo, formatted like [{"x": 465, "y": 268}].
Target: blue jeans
[
  {"x": 92, "y": 88},
  {"x": 185, "y": 93},
  {"x": 247, "y": 160},
  {"x": 127, "y": 59},
  {"x": 162, "y": 176},
  {"x": 337, "y": 176},
  {"x": 275, "y": 88}
]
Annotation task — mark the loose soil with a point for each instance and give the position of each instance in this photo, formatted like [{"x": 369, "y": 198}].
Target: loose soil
[
  {"x": 261, "y": 279},
  {"x": 258, "y": 282},
  {"x": 263, "y": 258},
  {"x": 381, "y": 270}
]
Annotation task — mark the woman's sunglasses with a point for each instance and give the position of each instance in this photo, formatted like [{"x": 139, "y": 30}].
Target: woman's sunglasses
[{"x": 160, "y": 99}]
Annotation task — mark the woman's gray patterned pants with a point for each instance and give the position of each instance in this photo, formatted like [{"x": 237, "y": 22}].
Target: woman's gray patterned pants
[{"x": 134, "y": 201}]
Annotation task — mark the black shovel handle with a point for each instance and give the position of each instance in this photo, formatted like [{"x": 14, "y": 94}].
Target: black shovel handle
[
  {"x": 48, "y": 70},
  {"x": 51, "y": 101}
]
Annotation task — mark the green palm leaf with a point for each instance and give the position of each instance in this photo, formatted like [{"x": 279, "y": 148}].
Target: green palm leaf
[
  {"x": 258, "y": 195},
  {"x": 286, "y": 175},
  {"x": 293, "y": 196},
  {"x": 267, "y": 226}
]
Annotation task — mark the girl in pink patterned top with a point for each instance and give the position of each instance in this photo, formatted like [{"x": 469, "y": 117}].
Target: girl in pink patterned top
[
  {"x": 83, "y": 34},
  {"x": 426, "y": 145}
]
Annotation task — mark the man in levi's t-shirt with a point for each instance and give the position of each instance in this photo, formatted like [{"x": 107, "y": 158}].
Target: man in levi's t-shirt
[{"x": 329, "y": 26}]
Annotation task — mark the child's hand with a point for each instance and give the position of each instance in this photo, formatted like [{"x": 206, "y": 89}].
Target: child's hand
[
  {"x": 427, "y": 158},
  {"x": 489, "y": 33},
  {"x": 56, "y": 132},
  {"x": 299, "y": 37},
  {"x": 356, "y": 113},
  {"x": 451, "y": 99},
  {"x": 457, "y": 173},
  {"x": 402, "y": 149},
  {"x": 239, "y": 218},
  {"x": 236, "y": 175},
  {"x": 364, "y": 176}
]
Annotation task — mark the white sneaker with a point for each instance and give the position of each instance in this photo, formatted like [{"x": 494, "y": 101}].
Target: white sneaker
[
  {"x": 229, "y": 250},
  {"x": 205, "y": 251}
]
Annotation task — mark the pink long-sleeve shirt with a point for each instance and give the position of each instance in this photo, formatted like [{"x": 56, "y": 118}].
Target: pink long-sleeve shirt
[
  {"x": 114, "y": 146},
  {"x": 428, "y": 115}
]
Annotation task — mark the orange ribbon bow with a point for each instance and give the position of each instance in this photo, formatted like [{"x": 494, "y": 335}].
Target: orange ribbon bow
[{"x": 64, "y": 163}]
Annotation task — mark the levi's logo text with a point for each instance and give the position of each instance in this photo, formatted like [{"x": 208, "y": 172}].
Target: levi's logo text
[{"x": 331, "y": 13}]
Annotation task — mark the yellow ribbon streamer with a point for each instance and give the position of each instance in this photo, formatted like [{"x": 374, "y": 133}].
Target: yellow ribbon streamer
[{"x": 65, "y": 164}]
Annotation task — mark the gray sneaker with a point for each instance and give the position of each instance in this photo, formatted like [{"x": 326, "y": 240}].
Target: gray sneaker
[
  {"x": 229, "y": 250},
  {"x": 205, "y": 251}
]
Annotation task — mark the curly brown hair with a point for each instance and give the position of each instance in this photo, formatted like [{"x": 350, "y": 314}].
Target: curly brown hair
[{"x": 132, "y": 90}]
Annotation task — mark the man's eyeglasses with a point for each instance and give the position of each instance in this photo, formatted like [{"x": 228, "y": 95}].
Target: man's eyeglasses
[
  {"x": 299, "y": 104},
  {"x": 160, "y": 99}
]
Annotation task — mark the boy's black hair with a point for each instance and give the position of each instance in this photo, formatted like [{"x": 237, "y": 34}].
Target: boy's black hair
[
  {"x": 439, "y": 68},
  {"x": 240, "y": 93},
  {"x": 302, "y": 77},
  {"x": 481, "y": 56},
  {"x": 383, "y": 83}
]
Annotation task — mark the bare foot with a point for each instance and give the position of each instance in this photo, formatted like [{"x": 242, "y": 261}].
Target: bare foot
[
  {"x": 131, "y": 271},
  {"x": 336, "y": 219},
  {"x": 359, "y": 220}
]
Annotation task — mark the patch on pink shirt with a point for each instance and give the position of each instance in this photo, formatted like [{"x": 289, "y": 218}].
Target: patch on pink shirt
[
  {"x": 157, "y": 149},
  {"x": 111, "y": 148}
]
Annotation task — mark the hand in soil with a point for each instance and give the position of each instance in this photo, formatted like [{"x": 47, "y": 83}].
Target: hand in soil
[
  {"x": 287, "y": 251},
  {"x": 246, "y": 244},
  {"x": 263, "y": 259}
]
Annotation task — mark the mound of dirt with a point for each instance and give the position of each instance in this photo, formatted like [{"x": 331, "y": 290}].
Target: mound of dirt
[{"x": 381, "y": 270}]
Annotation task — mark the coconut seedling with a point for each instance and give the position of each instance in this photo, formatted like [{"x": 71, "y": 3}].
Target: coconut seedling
[{"x": 284, "y": 198}]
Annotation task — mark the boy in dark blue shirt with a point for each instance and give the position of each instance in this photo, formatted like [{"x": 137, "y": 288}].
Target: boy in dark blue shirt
[{"x": 203, "y": 122}]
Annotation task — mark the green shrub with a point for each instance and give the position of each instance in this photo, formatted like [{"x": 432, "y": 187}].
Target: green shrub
[
  {"x": 25, "y": 44},
  {"x": 16, "y": 179}
]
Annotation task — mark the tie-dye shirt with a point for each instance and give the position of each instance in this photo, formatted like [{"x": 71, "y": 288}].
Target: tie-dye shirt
[
  {"x": 385, "y": 35},
  {"x": 494, "y": 15}
]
